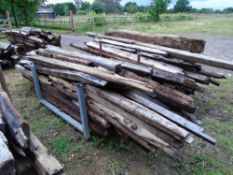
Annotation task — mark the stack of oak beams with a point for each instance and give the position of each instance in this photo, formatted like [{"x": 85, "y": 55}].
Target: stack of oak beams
[
  {"x": 32, "y": 38},
  {"x": 143, "y": 91},
  {"x": 7, "y": 54},
  {"x": 18, "y": 143}
]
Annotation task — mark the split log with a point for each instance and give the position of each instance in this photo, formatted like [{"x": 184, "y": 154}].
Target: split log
[
  {"x": 6, "y": 157},
  {"x": 44, "y": 163},
  {"x": 173, "y": 41},
  {"x": 101, "y": 61}
]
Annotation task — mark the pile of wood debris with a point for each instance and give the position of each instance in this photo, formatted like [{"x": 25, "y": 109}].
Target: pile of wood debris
[
  {"x": 32, "y": 38},
  {"x": 20, "y": 150},
  {"x": 8, "y": 54},
  {"x": 143, "y": 90}
]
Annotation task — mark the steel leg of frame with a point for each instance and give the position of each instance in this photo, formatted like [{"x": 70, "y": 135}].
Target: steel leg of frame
[{"x": 84, "y": 125}]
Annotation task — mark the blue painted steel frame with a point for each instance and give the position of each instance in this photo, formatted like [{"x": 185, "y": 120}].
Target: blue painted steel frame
[{"x": 84, "y": 125}]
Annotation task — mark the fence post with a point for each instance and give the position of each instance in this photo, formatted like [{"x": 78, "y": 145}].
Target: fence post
[
  {"x": 8, "y": 19},
  {"x": 71, "y": 20},
  {"x": 93, "y": 23}
]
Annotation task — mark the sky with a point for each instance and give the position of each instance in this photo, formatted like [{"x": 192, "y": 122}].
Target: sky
[{"x": 215, "y": 4}]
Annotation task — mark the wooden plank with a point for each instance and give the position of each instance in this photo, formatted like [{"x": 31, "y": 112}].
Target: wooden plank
[
  {"x": 127, "y": 56},
  {"x": 193, "y": 57},
  {"x": 138, "y": 68},
  {"x": 147, "y": 101},
  {"x": 145, "y": 114},
  {"x": 131, "y": 46},
  {"x": 42, "y": 52},
  {"x": 172, "y": 41},
  {"x": 94, "y": 72},
  {"x": 19, "y": 129},
  {"x": 73, "y": 76},
  {"x": 166, "y": 94},
  {"x": 44, "y": 163},
  {"x": 6, "y": 157},
  {"x": 101, "y": 61},
  {"x": 131, "y": 126}
]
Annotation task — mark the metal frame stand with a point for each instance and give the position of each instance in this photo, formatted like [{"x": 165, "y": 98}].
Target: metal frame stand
[{"x": 82, "y": 126}]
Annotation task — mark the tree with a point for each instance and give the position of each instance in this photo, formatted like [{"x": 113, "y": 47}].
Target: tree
[
  {"x": 158, "y": 7},
  {"x": 26, "y": 10},
  {"x": 64, "y": 8},
  {"x": 85, "y": 6},
  {"x": 131, "y": 7},
  {"x": 98, "y": 6},
  {"x": 59, "y": 9},
  {"x": 228, "y": 10},
  {"x": 112, "y": 6},
  {"x": 182, "y": 6}
]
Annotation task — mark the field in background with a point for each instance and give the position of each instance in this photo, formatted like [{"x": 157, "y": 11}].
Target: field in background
[{"x": 211, "y": 24}]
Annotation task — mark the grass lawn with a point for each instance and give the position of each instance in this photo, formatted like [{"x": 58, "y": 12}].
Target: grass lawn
[
  {"x": 113, "y": 155},
  {"x": 210, "y": 25}
]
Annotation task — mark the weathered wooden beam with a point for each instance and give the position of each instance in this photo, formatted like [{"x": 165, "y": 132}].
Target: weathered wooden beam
[
  {"x": 44, "y": 162},
  {"x": 173, "y": 41},
  {"x": 94, "y": 72},
  {"x": 101, "y": 61},
  {"x": 127, "y": 56},
  {"x": 193, "y": 57},
  {"x": 130, "y": 46},
  {"x": 130, "y": 127},
  {"x": 42, "y": 52},
  {"x": 138, "y": 68},
  {"x": 19, "y": 129},
  {"x": 165, "y": 94},
  {"x": 73, "y": 76},
  {"x": 150, "y": 117},
  {"x": 6, "y": 157}
]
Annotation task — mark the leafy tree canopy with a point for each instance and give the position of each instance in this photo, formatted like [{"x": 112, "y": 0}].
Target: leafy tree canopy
[
  {"x": 182, "y": 6},
  {"x": 158, "y": 7},
  {"x": 85, "y": 6},
  {"x": 98, "y": 6},
  {"x": 64, "y": 8},
  {"x": 131, "y": 7}
]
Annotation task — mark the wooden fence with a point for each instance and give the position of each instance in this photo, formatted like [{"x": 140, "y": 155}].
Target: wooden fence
[{"x": 87, "y": 22}]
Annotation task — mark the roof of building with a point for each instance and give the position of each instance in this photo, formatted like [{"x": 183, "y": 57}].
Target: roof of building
[{"x": 45, "y": 10}]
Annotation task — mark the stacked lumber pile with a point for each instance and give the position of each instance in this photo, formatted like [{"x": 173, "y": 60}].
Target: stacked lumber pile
[
  {"x": 7, "y": 54},
  {"x": 18, "y": 143},
  {"x": 32, "y": 38},
  {"x": 143, "y": 91}
]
